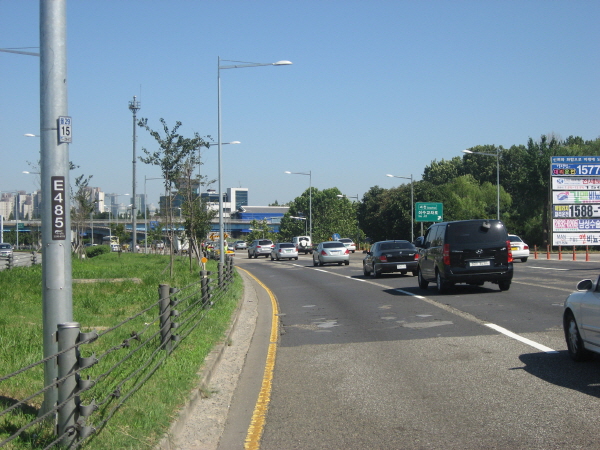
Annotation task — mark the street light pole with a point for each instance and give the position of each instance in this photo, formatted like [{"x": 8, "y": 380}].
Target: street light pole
[
  {"x": 309, "y": 173},
  {"x": 412, "y": 204},
  {"x": 357, "y": 230},
  {"x": 497, "y": 155},
  {"x": 134, "y": 106},
  {"x": 241, "y": 65}
]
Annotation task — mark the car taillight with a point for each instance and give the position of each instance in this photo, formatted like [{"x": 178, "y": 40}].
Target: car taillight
[
  {"x": 279, "y": 250},
  {"x": 347, "y": 252},
  {"x": 323, "y": 252},
  {"x": 416, "y": 256},
  {"x": 383, "y": 259},
  {"x": 447, "y": 254},
  {"x": 526, "y": 247},
  {"x": 510, "y": 257}
]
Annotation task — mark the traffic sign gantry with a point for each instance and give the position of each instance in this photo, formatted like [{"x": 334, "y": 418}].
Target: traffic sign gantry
[{"x": 429, "y": 212}]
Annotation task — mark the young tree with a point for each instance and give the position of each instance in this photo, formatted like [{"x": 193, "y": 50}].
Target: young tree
[
  {"x": 81, "y": 210},
  {"x": 174, "y": 153}
]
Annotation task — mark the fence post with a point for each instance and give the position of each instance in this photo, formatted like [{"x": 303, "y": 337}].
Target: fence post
[
  {"x": 220, "y": 274},
  {"x": 587, "y": 253},
  {"x": 164, "y": 308},
  {"x": 535, "y": 251},
  {"x": 33, "y": 258},
  {"x": 574, "y": 257},
  {"x": 560, "y": 252},
  {"x": 10, "y": 261},
  {"x": 204, "y": 286},
  {"x": 67, "y": 366}
]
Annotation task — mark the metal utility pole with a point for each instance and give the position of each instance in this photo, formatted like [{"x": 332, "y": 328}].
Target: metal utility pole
[
  {"x": 55, "y": 136},
  {"x": 134, "y": 106}
]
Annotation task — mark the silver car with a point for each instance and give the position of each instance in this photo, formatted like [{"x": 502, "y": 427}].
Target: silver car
[
  {"x": 6, "y": 249},
  {"x": 581, "y": 320},
  {"x": 260, "y": 247},
  {"x": 240, "y": 245},
  {"x": 284, "y": 250},
  {"x": 331, "y": 252}
]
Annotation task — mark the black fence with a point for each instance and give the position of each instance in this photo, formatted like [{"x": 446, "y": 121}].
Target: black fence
[{"x": 120, "y": 360}]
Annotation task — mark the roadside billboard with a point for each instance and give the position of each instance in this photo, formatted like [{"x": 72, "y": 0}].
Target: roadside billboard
[{"x": 575, "y": 182}]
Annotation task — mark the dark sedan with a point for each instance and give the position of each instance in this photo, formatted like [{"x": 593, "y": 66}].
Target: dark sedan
[{"x": 389, "y": 257}]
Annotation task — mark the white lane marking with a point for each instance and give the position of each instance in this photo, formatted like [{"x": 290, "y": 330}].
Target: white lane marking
[
  {"x": 545, "y": 268},
  {"x": 533, "y": 344},
  {"x": 460, "y": 313}
]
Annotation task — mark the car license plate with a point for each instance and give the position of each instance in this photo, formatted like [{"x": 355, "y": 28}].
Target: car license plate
[
  {"x": 479, "y": 263},
  {"x": 335, "y": 252},
  {"x": 401, "y": 266},
  {"x": 514, "y": 248}
]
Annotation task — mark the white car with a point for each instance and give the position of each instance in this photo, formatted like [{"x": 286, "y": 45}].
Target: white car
[
  {"x": 520, "y": 250},
  {"x": 284, "y": 250},
  {"x": 581, "y": 320},
  {"x": 349, "y": 243},
  {"x": 331, "y": 252},
  {"x": 303, "y": 244},
  {"x": 6, "y": 249}
]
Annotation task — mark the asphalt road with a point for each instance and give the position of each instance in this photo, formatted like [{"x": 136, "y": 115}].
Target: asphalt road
[{"x": 368, "y": 363}]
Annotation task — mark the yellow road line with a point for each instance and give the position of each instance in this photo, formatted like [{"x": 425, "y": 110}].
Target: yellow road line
[{"x": 257, "y": 424}]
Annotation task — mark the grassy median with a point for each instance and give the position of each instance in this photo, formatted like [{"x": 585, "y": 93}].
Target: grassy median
[{"x": 142, "y": 421}]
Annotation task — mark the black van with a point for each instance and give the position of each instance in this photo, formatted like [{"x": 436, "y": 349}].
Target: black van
[{"x": 465, "y": 251}]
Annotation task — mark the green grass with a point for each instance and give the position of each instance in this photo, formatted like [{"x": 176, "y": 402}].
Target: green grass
[{"x": 145, "y": 416}]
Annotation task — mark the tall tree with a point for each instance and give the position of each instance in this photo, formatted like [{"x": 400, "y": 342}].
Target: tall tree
[{"x": 174, "y": 153}]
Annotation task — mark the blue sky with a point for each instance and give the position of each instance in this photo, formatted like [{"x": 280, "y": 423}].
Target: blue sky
[{"x": 376, "y": 86}]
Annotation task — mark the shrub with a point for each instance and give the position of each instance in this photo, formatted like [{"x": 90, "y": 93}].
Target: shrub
[{"x": 96, "y": 250}]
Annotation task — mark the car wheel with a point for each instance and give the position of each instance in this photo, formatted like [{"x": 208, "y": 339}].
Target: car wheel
[
  {"x": 403, "y": 272},
  {"x": 575, "y": 347},
  {"x": 346, "y": 263},
  {"x": 375, "y": 273},
  {"x": 321, "y": 263},
  {"x": 277, "y": 257},
  {"x": 340, "y": 263},
  {"x": 315, "y": 262},
  {"x": 524, "y": 259},
  {"x": 296, "y": 258},
  {"x": 365, "y": 271},
  {"x": 249, "y": 255},
  {"x": 414, "y": 273},
  {"x": 272, "y": 259},
  {"x": 441, "y": 284},
  {"x": 504, "y": 285},
  {"x": 422, "y": 282},
  {"x": 255, "y": 255}
]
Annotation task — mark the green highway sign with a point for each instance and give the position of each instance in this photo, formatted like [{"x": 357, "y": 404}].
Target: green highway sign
[{"x": 429, "y": 212}]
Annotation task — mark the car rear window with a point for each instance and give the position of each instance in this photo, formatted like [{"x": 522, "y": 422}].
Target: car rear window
[
  {"x": 515, "y": 239},
  {"x": 397, "y": 246},
  {"x": 287, "y": 246},
  {"x": 470, "y": 232},
  {"x": 333, "y": 244}
]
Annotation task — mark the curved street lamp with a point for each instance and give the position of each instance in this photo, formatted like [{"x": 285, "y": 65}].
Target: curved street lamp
[
  {"x": 238, "y": 65},
  {"x": 497, "y": 155},
  {"x": 412, "y": 204}
]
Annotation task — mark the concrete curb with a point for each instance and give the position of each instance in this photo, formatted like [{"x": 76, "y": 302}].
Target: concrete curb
[{"x": 209, "y": 366}]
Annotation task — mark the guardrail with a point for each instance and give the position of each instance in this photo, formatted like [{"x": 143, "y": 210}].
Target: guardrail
[
  {"x": 19, "y": 259},
  {"x": 120, "y": 362}
]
